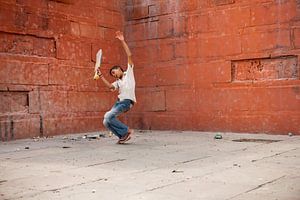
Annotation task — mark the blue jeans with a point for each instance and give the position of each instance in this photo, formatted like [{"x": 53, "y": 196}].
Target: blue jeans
[{"x": 110, "y": 118}]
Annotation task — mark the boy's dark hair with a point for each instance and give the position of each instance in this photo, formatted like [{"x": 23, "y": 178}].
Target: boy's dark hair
[{"x": 115, "y": 67}]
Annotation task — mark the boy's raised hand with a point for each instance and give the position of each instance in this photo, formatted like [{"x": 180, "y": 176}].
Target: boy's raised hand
[{"x": 119, "y": 35}]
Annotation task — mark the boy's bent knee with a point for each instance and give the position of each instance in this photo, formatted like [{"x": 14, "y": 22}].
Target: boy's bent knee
[
  {"x": 108, "y": 115},
  {"x": 107, "y": 118},
  {"x": 105, "y": 122}
]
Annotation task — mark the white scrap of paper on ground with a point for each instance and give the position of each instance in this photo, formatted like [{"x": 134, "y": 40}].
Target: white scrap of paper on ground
[{"x": 98, "y": 58}]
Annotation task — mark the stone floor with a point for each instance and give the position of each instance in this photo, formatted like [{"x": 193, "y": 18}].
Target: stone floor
[{"x": 153, "y": 165}]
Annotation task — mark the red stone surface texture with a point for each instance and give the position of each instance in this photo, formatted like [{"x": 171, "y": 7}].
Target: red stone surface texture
[
  {"x": 212, "y": 65},
  {"x": 47, "y": 58},
  {"x": 216, "y": 65}
]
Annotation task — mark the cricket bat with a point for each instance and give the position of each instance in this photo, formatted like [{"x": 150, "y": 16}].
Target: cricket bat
[{"x": 98, "y": 63}]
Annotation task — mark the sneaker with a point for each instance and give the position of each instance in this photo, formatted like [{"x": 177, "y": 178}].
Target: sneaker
[
  {"x": 126, "y": 137},
  {"x": 123, "y": 141}
]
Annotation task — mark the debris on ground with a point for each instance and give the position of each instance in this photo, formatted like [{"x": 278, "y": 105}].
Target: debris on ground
[
  {"x": 144, "y": 131},
  {"x": 266, "y": 141},
  {"x": 218, "y": 136},
  {"x": 290, "y": 134},
  {"x": 93, "y": 191},
  {"x": 75, "y": 139},
  {"x": 27, "y": 147},
  {"x": 68, "y": 138},
  {"x": 177, "y": 171},
  {"x": 110, "y": 134},
  {"x": 89, "y": 137},
  {"x": 92, "y": 136},
  {"x": 38, "y": 138},
  {"x": 96, "y": 136},
  {"x": 66, "y": 147}
]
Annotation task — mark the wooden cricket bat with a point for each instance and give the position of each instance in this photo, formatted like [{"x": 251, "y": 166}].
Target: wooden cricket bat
[{"x": 98, "y": 63}]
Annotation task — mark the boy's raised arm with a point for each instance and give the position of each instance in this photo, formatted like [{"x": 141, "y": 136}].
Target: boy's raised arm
[{"x": 120, "y": 36}]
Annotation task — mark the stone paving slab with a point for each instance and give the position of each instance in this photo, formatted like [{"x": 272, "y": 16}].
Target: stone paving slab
[{"x": 153, "y": 165}]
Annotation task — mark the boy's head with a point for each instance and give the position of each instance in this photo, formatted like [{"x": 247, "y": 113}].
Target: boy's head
[{"x": 116, "y": 71}]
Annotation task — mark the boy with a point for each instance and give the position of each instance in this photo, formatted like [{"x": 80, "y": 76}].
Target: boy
[{"x": 125, "y": 83}]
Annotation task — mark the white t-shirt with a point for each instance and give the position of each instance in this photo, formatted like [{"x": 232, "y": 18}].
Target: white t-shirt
[{"x": 126, "y": 85}]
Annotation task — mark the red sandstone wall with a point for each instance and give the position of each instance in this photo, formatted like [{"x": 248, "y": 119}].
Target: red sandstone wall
[
  {"x": 47, "y": 50},
  {"x": 216, "y": 65},
  {"x": 212, "y": 65}
]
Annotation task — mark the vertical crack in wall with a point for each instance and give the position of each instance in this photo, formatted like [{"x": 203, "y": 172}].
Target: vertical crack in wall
[
  {"x": 41, "y": 114},
  {"x": 5, "y": 131},
  {"x": 12, "y": 136}
]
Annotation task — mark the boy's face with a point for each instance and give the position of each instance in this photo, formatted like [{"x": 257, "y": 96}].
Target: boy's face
[{"x": 117, "y": 73}]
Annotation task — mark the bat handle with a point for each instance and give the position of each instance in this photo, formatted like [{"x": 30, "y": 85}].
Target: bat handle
[{"x": 96, "y": 76}]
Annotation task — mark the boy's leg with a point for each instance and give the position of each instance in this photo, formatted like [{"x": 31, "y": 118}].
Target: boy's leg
[
  {"x": 112, "y": 123},
  {"x": 107, "y": 125}
]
